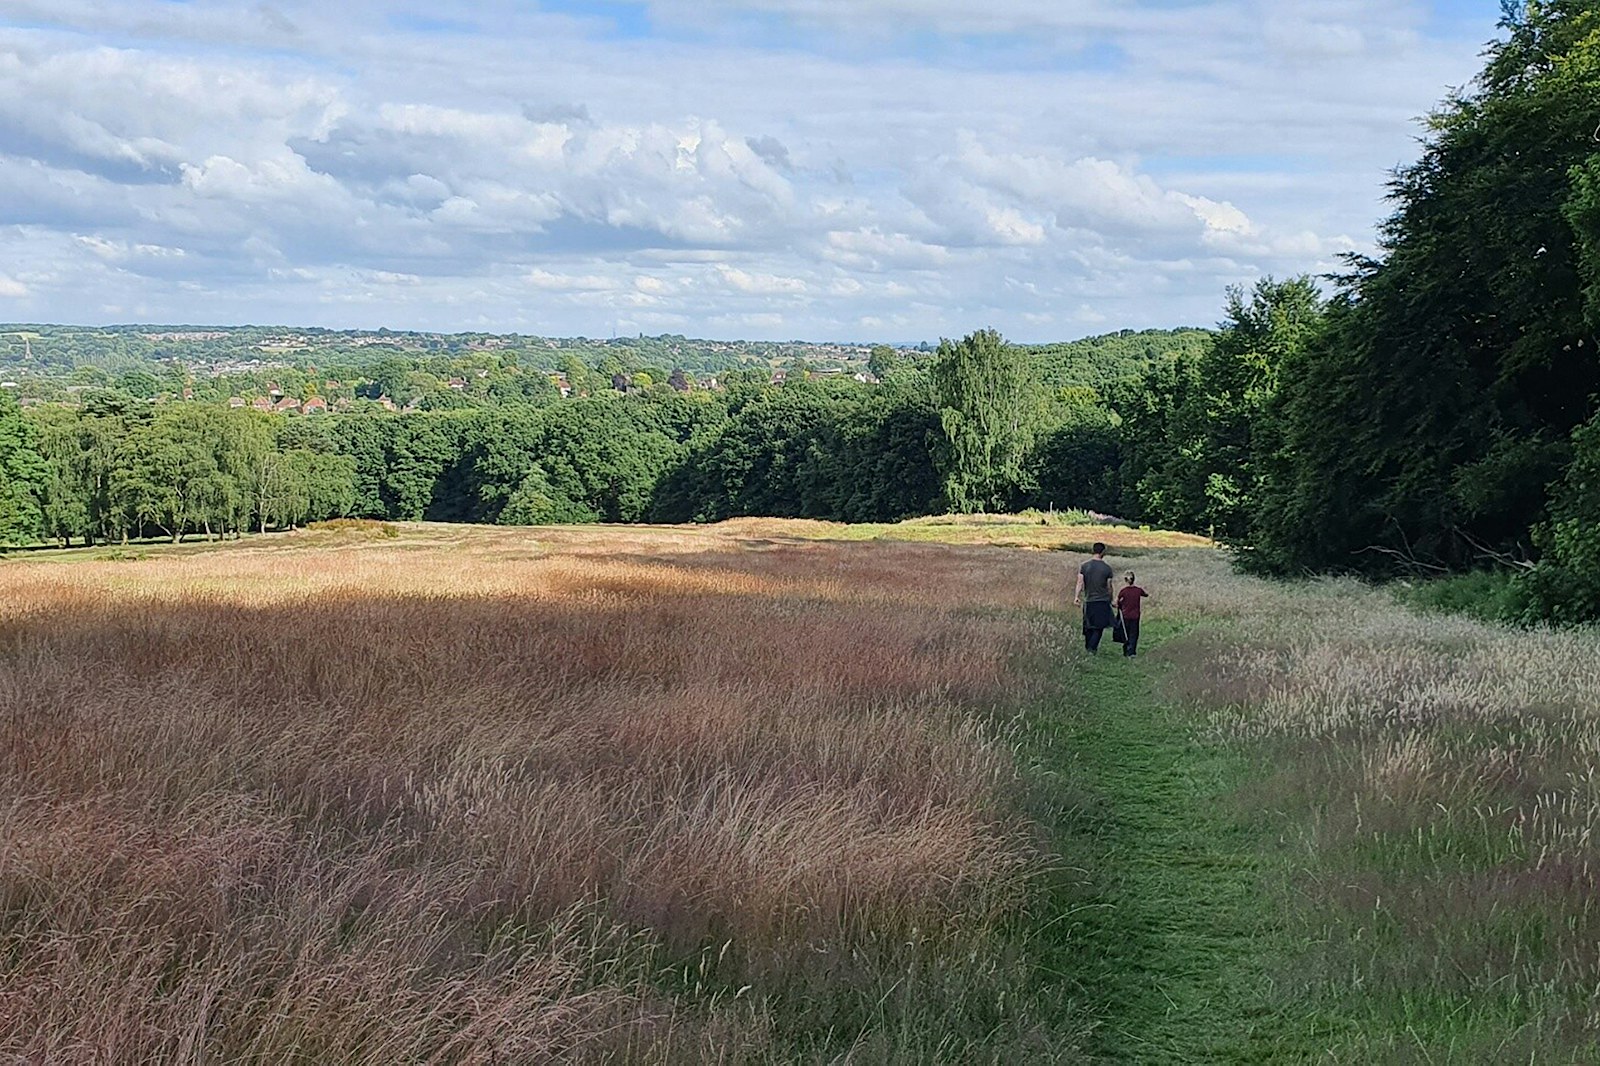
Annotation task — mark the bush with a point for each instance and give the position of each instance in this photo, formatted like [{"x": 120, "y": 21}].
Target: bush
[
  {"x": 1490, "y": 595},
  {"x": 1565, "y": 586},
  {"x": 367, "y": 526},
  {"x": 538, "y": 502}
]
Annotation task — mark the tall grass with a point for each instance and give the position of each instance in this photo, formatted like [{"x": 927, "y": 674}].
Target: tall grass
[
  {"x": 476, "y": 797},
  {"x": 1436, "y": 781}
]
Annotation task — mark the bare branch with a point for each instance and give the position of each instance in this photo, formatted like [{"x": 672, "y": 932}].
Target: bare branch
[{"x": 1486, "y": 552}]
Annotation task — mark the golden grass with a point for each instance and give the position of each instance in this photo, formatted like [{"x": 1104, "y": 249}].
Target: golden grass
[
  {"x": 508, "y": 795},
  {"x": 1000, "y": 531}
]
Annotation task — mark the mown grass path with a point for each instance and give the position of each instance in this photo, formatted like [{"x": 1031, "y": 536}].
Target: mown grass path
[{"x": 1167, "y": 935}]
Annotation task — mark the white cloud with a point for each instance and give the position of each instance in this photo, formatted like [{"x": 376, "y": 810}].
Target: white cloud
[
  {"x": 12, "y": 288},
  {"x": 544, "y": 279},
  {"x": 761, "y": 284},
  {"x": 872, "y": 249},
  {"x": 147, "y": 154}
]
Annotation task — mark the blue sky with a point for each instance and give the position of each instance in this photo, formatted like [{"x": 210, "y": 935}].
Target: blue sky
[{"x": 825, "y": 169}]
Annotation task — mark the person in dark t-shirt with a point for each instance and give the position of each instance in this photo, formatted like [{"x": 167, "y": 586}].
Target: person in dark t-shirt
[
  {"x": 1094, "y": 592},
  {"x": 1128, "y": 598}
]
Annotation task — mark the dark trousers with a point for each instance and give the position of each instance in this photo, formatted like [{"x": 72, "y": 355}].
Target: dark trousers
[
  {"x": 1130, "y": 626},
  {"x": 1096, "y": 620}
]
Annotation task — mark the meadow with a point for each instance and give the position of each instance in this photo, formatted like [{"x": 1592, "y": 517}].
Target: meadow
[
  {"x": 776, "y": 791},
  {"x": 490, "y": 795}
]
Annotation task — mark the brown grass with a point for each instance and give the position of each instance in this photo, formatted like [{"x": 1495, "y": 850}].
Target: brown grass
[{"x": 488, "y": 795}]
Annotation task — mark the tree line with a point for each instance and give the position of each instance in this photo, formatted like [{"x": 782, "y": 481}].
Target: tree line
[
  {"x": 972, "y": 428},
  {"x": 1438, "y": 412},
  {"x": 1433, "y": 412}
]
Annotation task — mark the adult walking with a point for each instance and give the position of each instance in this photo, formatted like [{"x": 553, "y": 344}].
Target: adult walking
[{"x": 1094, "y": 592}]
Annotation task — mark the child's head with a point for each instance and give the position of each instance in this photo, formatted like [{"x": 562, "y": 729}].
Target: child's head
[{"x": 1129, "y": 576}]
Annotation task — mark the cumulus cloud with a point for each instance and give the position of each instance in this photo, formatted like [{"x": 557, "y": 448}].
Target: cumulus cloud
[{"x": 305, "y": 162}]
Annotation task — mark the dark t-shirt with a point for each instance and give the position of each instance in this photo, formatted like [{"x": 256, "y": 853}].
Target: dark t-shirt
[
  {"x": 1097, "y": 575},
  {"x": 1128, "y": 597}
]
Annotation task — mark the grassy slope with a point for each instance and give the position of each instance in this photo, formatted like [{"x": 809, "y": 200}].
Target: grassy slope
[
  {"x": 1310, "y": 896},
  {"x": 1065, "y": 531},
  {"x": 1170, "y": 937},
  {"x": 1218, "y": 917}
]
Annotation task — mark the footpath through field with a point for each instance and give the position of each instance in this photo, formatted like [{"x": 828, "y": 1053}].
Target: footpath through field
[{"x": 1171, "y": 941}]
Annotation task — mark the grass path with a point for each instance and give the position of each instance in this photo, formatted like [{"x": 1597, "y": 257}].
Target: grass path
[{"x": 1171, "y": 943}]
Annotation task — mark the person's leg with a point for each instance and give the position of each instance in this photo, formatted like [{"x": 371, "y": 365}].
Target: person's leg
[
  {"x": 1096, "y": 617},
  {"x": 1130, "y": 626}
]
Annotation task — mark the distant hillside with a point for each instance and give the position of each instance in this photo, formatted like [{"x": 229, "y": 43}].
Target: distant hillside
[
  {"x": 1101, "y": 361},
  {"x": 55, "y": 349}
]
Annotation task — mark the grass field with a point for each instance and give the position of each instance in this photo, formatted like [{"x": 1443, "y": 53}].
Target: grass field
[{"x": 777, "y": 792}]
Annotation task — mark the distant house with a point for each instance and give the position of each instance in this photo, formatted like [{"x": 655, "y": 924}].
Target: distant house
[
  {"x": 287, "y": 405},
  {"x": 314, "y": 406},
  {"x": 9, "y": 385},
  {"x": 261, "y": 403},
  {"x": 387, "y": 404},
  {"x": 236, "y": 402},
  {"x": 457, "y": 383},
  {"x": 562, "y": 384}
]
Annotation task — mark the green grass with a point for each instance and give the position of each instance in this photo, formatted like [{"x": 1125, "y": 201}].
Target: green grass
[
  {"x": 1201, "y": 922},
  {"x": 1487, "y": 595},
  {"x": 1169, "y": 932}
]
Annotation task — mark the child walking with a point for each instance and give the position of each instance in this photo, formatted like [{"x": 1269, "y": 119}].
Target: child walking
[{"x": 1128, "y": 597}]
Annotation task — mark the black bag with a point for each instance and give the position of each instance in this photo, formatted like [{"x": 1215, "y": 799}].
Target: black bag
[{"x": 1118, "y": 632}]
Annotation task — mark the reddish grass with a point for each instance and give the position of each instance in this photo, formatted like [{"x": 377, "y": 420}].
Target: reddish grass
[{"x": 475, "y": 797}]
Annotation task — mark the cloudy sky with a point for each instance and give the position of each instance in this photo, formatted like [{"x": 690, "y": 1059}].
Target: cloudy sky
[{"x": 821, "y": 169}]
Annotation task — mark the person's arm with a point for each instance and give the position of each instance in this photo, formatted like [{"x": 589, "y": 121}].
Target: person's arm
[{"x": 1077, "y": 593}]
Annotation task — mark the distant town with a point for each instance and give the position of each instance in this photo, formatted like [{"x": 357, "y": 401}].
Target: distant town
[{"x": 315, "y": 371}]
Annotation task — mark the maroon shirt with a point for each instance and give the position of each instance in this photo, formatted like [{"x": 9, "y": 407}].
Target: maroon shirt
[{"x": 1128, "y": 598}]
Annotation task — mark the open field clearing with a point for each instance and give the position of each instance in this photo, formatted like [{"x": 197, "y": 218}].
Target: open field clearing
[
  {"x": 759, "y": 792},
  {"x": 486, "y": 795}
]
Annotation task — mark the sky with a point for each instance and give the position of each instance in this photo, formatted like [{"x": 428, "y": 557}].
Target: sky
[{"x": 851, "y": 170}]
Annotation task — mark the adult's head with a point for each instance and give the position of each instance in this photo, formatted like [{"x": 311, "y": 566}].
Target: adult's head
[{"x": 1099, "y": 549}]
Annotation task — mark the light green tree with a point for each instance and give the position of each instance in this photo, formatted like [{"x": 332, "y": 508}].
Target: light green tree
[
  {"x": 23, "y": 474},
  {"x": 992, "y": 409}
]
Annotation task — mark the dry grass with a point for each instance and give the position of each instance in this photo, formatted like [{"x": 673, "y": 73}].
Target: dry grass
[
  {"x": 1065, "y": 532},
  {"x": 478, "y": 795},
  {"x": 1439, "y": 777}
]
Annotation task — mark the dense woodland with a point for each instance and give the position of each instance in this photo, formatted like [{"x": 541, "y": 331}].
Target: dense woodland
[
  {"x": 1431, "y": 411},
  {"x": 914, "y": 433}
]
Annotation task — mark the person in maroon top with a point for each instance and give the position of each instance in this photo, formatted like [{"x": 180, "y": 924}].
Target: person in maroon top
[{"x": 1128, "y": 597}]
